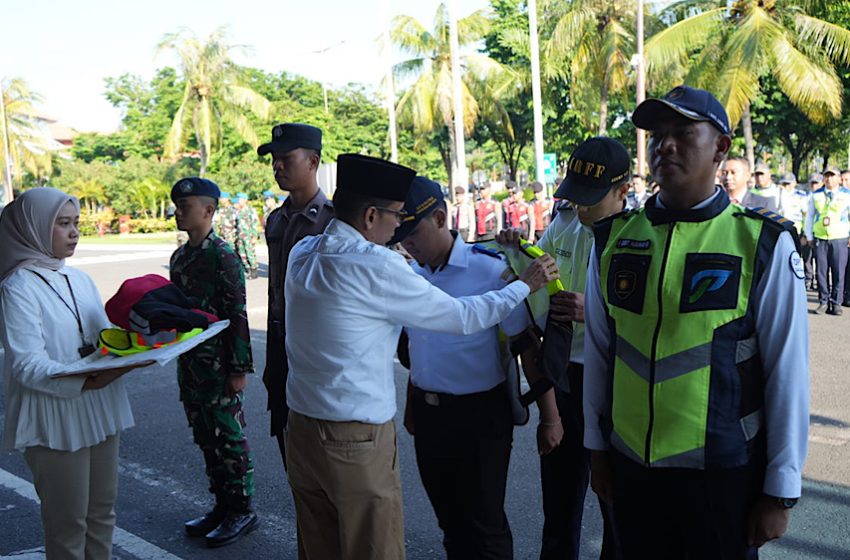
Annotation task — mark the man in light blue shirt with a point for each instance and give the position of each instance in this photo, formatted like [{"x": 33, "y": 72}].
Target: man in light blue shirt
[{"x": 458, "y": 407}]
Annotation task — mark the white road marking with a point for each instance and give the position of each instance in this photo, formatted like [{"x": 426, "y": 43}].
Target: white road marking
[
  {"x": 271, "y": 524},
  {"x": 126, "y": 541}
]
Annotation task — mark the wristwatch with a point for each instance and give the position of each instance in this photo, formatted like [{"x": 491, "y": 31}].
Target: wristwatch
[{"x": 784, "y": 503}]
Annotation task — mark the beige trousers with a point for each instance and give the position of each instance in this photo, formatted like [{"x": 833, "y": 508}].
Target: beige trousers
[
  {"x": 347, "y": 489},
  {"x": 77, "y": 492}
]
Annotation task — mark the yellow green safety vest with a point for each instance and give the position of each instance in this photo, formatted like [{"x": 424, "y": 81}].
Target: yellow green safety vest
[
  {"x": 686, "y": 374},
  {"x": 121, "y": 342},
  {"x": 831, "y": 219}
]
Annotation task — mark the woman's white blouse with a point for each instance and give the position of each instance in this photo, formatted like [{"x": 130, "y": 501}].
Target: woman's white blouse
[{"x": 40, "y": 336}]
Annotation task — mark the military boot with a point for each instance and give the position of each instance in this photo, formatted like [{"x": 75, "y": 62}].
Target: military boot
[
  {"x": 239, "y": 521},
  {"x": 210, "y": 520}
]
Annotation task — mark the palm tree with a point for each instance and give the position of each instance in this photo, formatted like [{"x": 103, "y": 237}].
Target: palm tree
[
  {"x": 726, "y": 51},
  {"x": 213, "y": 94},
  {"x": 427, "y": 104},
  {"x": 591, "y": 45},
  {"x": 21, "y": 139}
]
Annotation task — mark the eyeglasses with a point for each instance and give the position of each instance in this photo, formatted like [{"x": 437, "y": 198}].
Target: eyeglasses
[{"x": 400, "y": 215}]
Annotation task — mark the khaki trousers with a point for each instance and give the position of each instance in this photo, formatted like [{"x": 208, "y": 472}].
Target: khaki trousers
[
  {"x": 346, "y": 488},
  {"x": 77, "y": 492}
]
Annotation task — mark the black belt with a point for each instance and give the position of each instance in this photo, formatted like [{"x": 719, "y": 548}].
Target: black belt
[{"x": 446, "y": 399}]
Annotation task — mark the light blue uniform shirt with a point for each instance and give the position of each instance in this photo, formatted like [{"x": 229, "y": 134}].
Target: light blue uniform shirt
[{"x": 463, "y": 364}]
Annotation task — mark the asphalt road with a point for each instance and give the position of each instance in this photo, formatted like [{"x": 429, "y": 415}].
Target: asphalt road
[{"x": 162, "y": 482}]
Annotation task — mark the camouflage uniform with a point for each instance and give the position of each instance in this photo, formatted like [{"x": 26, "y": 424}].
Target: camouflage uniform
[
  {"x": 247, "y": 231},
  {"x": 212, "y": 274},
  {"x": 225, "y": 224}
]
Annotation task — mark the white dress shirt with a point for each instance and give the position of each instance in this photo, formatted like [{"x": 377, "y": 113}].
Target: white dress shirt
[
  {"x": 781, "y": 318},
  {"x": 40, "y": 336},
  {"x": 347, "y": 299},
  {"x": 463, "y": 364}
]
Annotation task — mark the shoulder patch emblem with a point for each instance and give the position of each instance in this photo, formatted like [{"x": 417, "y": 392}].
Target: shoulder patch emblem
[{"x": 796, "y": 264}]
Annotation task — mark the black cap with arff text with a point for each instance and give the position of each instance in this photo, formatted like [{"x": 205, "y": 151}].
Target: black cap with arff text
[
  {"x": 695, "y": 104},
  {"x": 289, "y": 136},
  {"x": 194, "y": 186},
  {"x": 373, "y": 177},
  {"x": 594, "y": 167},
  {"x": 425, "y": 195}
]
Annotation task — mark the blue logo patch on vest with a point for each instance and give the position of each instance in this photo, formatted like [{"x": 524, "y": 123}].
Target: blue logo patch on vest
[
  {"x": 641, "y": 244},
  {"x": 711, "y": 282}
]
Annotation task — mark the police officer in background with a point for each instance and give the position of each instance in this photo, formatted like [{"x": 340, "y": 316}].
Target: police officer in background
[
  {"x": 347, "y": 298},
  {"x": 463, "y": 215},
  {"x": 765, "y": 187},
  {"x": 828, "y": 223},
  {"x": 296, "y": 151},
  {"x": 458, "y": 408},
  {"x": 541, "y": 209},
  {"x": 488, "y": 215},
  {"x": 639, "y": 193},
  {"x": 696, "y": 394}
]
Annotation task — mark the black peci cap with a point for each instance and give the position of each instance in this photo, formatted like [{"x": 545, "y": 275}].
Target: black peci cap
[
  {"x": 373, "y": 177},
  {"x": 424, "y": 196},
  {"x": 289, "y": 136},
  {"x": 194, "y": 186},
  {"x": 695, "y": 104},
  {"x": 596, "y": 166}
]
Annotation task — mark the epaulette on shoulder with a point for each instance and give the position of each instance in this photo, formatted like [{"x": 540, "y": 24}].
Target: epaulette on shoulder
[
  {"x": 771, "y": 217},
  {"x": 478, "y": 248}
]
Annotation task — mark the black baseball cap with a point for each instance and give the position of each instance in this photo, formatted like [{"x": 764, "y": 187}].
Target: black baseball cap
[
  {"x": 289, "y": 136},
  {"x": 423, "y": 197},
  {"x": 373, "y": 177},
  {"x": 695, "y": 104},
  {"x": 194, "y": 186},
  {"x": 596, "y": 166}
]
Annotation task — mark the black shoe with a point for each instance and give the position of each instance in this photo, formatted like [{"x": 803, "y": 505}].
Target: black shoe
[
  {"x": 232, "y": 528},
  {"x": 836, "y": 310},
  {"x": 820, "y": 309},
  {"x": 202, "y": 525}
]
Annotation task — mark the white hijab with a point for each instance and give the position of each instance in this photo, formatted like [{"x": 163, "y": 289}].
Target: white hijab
[{"x": 26, "y": 230}]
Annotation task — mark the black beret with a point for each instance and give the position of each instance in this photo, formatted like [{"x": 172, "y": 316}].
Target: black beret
[
  {"x": 194, "y": 186},
  {"x": 373, "y": 177},
  {"x": 289, "y": 136}
]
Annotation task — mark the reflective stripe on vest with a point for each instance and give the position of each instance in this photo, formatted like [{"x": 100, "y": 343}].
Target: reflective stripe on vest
[
  {"x": 683, "y": 332},
  {"x": 837, "y": 226}
]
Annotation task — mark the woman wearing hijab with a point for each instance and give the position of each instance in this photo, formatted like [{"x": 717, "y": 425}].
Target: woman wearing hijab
[{"x": 67, "y": 427}]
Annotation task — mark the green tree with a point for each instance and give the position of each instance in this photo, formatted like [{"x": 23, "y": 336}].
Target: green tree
[
  {"x": 213, "y": 94},
  {"x": 591, "y": 45},
  {"x": 427, "y": 105},
  {"x": 727, "y": 49},
  {"x": 28, "y": 147}
]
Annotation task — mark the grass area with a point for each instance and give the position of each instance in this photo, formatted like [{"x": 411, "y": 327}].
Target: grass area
[
  {"x": 137, "y": 239},
  {"x": 131, "y": 238}
]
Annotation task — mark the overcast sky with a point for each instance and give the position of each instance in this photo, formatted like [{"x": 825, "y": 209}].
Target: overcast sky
[{"x": 64, "y": 49}]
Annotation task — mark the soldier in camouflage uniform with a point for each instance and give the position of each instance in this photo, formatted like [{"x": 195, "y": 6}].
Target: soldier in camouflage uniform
[
  {"x": 212, "y": 376},
  {"x": 247, "y": 232},
  {"x": 225, "y": 220}
]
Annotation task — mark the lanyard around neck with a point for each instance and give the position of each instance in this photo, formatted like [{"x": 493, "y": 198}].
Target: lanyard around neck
[{"x": 75, "y": 311}]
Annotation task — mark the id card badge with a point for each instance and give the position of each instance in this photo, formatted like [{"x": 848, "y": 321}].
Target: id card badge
[
  {"x": 86, "y": 349},
  {"x": 826, "y": 222}
]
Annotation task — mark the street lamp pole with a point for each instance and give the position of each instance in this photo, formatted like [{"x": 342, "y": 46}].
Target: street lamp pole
[
  {"x": 459, "y": 174},
  {"x": 389, "y": 89},
  {"x": 535, "y": 91},
  {"x": 641, "y": 90},
  {"x": 7, "y": 163}
]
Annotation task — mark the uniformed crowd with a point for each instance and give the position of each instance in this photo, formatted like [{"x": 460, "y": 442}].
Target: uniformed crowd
[{"x": 662, "y": 332}]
